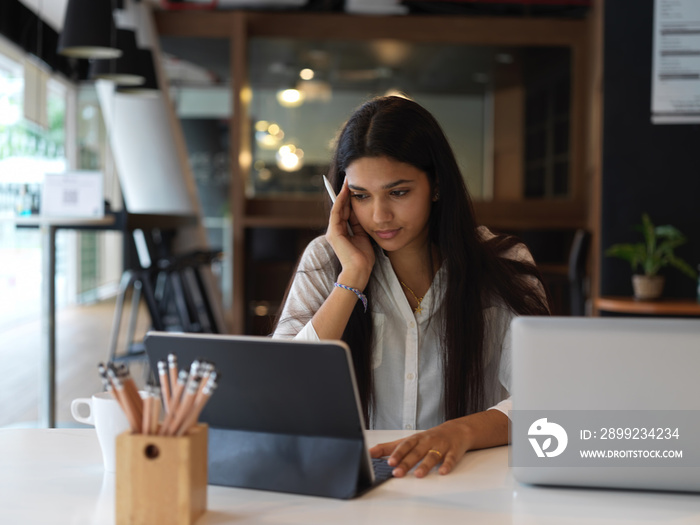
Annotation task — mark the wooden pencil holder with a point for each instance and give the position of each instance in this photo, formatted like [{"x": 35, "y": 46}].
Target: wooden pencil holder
[{"x": 161, "y": 479}]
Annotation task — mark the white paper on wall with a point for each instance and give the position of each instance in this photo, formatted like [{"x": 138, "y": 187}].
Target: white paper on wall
[{"x": 675, "y": 91}]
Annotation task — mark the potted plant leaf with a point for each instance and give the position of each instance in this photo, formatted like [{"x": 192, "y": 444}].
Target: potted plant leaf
[{"x": 651, "y": 255}]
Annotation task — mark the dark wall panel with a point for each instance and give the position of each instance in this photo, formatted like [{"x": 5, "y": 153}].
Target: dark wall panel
[{"x": 646, "y": 168}]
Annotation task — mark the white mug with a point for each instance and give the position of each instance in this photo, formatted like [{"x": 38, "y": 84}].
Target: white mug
[{"x": 109, "y": 421}]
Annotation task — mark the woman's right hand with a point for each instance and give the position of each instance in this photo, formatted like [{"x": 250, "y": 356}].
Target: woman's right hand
[{"x": 356, "y": 253}]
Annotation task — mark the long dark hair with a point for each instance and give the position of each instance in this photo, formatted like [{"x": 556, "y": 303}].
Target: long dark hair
[{"x": 476, "y": 272}]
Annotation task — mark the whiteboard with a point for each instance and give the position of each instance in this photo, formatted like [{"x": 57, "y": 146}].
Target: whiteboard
[{"x": 145, "y": 154}]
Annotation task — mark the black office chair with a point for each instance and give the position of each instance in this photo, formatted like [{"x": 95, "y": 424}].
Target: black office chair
[{"x": 578, "y": 255}]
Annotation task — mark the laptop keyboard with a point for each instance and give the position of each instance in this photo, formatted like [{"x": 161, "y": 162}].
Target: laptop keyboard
[{"x": 382, "y": 470}]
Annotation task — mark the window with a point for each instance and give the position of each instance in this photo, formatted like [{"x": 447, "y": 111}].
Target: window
[{"x": 27, "y": 151}]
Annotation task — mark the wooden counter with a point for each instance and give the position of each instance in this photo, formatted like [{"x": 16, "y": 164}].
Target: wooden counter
[{"x": 663, "y": 306}]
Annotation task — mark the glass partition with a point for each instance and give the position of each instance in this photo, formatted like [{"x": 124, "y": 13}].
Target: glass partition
[
  {"x": 493, "y": 104},
  {"x": 198, "y": 75},
  {"x": 304, "y": 90}
]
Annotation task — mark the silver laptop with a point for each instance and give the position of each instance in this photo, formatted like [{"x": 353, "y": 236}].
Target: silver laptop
[{"x": 606, "y": 402}]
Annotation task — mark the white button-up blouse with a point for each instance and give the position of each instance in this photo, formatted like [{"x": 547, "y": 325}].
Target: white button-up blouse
[{"x": 406, "y": 357}]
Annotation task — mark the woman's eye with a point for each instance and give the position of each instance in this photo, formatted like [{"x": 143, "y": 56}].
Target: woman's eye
[
  {"x": 359, "y": 196},
  {"x": 399, "y": 193}
]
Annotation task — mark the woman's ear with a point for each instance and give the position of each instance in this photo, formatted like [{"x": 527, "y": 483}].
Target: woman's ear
[{"x": 436, "y": 194}]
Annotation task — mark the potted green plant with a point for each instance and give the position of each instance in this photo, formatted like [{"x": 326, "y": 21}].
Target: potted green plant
[{"x": 651, "y": 255}]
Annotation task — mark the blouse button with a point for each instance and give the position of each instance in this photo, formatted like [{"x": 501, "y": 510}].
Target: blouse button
[
  {"x": 413, "y": 324},
  {"x": 410, "y": 376},
  {"x": 408, "y": 427}
]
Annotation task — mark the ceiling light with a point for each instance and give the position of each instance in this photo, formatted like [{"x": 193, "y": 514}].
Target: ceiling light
[
  {"x": 148, "y": 71},
  {"x": 124, "y": 70},
  {"x": 289, "y": 158},
  {"x": 306, "y": 74},
  {"x": 88, "y": 30},
  {"x": 269, "y": 136},
  {"x": 290, "y": 98}
]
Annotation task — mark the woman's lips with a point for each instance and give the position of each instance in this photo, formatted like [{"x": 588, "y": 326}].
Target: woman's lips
[{"x": 387, "y": 234}]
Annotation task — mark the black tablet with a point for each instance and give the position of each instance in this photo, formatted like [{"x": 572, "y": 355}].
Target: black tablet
[{"x": 286, "y": 414}]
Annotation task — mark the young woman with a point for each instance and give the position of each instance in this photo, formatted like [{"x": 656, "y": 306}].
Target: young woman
[{"x": 421, "y": 294}]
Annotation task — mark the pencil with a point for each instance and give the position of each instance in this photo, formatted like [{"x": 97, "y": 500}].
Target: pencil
[
  {"x": 194, "y": 373},
  {"x": 124, "y": 401},
  {"x": 131, "y": 390},
  {"x": 200, "y": 402},
  {"x": 175, "y": 402},
  {"x": 155, "y": 412},
  {"x": 111, "y": 377},
  {"x": 172, "y": 369},
  {"x": 184, "y": 408},
  {"x": 164, "y": 384},
  {"x": 206, "y": 369},
  {"x": 212, "y": 379},
  {"x": 102, "y": 369},
  {"x": 147, "y": 404}
]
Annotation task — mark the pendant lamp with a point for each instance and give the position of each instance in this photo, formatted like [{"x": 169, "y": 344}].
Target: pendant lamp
[
  {"x": 124, "y": 70},
  {"x": 148, "y": 71},
  {"x": 88, "y": 30}
]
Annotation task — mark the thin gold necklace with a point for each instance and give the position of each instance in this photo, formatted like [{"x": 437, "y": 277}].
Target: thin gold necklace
[{"x": 418, "y": 309}]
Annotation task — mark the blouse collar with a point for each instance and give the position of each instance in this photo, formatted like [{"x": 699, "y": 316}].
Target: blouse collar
[{"x": 389, "y": 283}]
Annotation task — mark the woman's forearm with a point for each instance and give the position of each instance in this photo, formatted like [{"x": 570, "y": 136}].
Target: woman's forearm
[
  {"x": 332, "y": 317},
  {"x": 484, "y": 429}
]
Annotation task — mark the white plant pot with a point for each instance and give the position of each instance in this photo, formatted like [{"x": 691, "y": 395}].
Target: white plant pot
[{"x": 647, "y": 287}]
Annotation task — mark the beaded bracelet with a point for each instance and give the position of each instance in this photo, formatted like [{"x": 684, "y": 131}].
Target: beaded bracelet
[{"x": 357, "y": 292}]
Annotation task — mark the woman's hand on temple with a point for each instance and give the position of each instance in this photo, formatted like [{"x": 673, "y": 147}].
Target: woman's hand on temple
[
  {"x": 356, "y": 253},
  {"x": 445, "y": 444}
]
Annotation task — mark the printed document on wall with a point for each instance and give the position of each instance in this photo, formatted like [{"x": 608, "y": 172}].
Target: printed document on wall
[{"x": 675, "y": 90}]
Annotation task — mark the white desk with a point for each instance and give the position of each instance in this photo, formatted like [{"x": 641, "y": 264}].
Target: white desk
[{"x": 55, "y": 476}]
